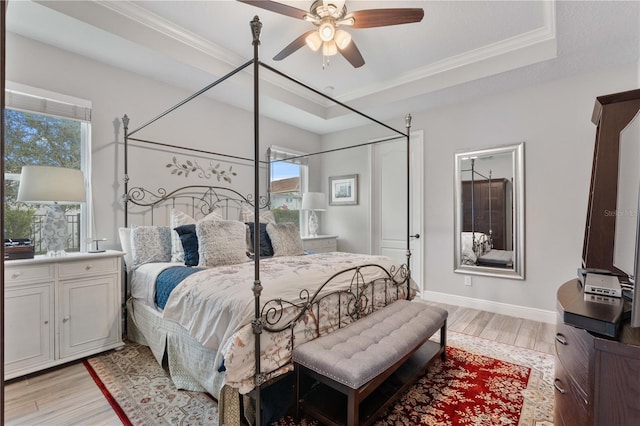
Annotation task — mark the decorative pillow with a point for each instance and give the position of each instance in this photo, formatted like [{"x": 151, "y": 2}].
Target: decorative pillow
[
  {"x": 221, "y": 242},
  {"x": 265, "y": 243},
  {"x": 285, "y": 239},
  {"x": 189, "y": 240},
  {"x": 248, "y": 216},
  {"x": 150, "y": 244},
  {"x": 125, "y": 243},
  {"x": 179, "y": 218}
]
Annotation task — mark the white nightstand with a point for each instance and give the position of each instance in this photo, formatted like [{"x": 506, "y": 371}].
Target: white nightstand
[
  {"x": 58, "y": 309},
  {"x": 320, "y": 243}
]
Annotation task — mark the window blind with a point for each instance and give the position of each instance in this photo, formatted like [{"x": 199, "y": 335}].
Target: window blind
[
  {"x": 38, "y": 104},
  {"x": 280, "y": 154}
]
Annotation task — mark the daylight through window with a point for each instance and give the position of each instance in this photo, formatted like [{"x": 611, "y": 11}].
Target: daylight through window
[{"x": 48, "y": 132}]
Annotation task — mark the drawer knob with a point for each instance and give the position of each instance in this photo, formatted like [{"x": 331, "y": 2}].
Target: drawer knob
[
  {"x": 16, "y": 274},
  {"x": 65, "y": 319},
  {"x": 561, "y": 339},
  {"x": 558, "y": 387},
  {"x": 88, "y": 267},
  {"x": 46, "y": 322}
]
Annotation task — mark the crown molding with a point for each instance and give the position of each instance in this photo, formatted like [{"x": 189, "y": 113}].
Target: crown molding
[{"x": 543, "y": 34}]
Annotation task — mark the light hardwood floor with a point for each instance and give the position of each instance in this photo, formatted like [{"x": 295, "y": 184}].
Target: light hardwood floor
[{"x": 69, "y": 396}]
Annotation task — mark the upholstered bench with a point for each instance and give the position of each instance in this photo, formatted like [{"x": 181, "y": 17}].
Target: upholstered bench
[{"x": 371, "y": 361}]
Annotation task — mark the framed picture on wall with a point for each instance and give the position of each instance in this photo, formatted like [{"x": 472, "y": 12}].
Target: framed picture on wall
[{"x": 343, "y": 190}]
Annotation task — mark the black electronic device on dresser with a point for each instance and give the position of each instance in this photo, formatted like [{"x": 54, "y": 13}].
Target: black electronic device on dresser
[{"x": 597, "y": 377}]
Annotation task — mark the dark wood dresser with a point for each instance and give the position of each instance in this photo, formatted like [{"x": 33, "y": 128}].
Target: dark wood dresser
[
  {"x": 491, "y": 212},
  {"x": 597, "y": 379}
]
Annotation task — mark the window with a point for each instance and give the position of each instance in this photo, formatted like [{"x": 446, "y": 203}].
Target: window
[
  {"x": 43, "y": 128},
  {"x": 287, "y": 183}
]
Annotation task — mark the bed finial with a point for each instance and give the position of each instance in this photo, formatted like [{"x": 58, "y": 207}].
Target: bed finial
[
  {"x": 125, "y": 121},
  {"x": 407, "y": 121},
  {"x": 256, "y": 27}
]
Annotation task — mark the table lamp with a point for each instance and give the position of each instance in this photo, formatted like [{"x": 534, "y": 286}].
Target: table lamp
[
  {"x": 53, "y": 186},
  {"x": 314, "y": 201}
]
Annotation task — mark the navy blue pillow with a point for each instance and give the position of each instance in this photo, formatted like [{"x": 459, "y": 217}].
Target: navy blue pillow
[
  {"x": 189, "y": 240},
  {"x": 266, "y": 249}
]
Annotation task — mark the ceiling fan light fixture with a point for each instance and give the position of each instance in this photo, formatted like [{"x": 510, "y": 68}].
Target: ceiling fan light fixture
[
  {"x": 329, "y": 48},
  {"x": 314, "y": 41},
  {"x": 327, "y": 30},
  {"x": 342, "y": 39}
]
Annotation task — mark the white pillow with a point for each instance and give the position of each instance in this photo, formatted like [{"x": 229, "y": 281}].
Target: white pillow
[
  {"x": 150, "y": 244},
  {"x": 179, "y": 218},
  {"x": 285, "y": 239},
  {"x": 248, "y": 216},
  {"x": 125, "y": 243},
  {"x": 221, "y": 242}
]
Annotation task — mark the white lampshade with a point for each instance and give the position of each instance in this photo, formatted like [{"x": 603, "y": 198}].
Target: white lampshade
[
  {"x": 329, "y": 48},
  {"x": 314, "y": 201},
  {"x": 326, "y": 31},
  {"x": 314, "y": 41},
  {"x": 342, "y": 39},
  {"x": 46, "y": 185}
]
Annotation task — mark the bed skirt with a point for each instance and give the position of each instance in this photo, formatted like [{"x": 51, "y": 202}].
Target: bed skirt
[{"x": 190, "y": 365}]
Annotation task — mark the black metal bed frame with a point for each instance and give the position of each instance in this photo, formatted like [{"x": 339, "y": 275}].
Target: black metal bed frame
[{"x": 358, "y": 300}]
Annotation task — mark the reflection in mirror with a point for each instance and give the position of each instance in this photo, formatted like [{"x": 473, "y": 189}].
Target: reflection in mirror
[{"x": 489, "y": 206}]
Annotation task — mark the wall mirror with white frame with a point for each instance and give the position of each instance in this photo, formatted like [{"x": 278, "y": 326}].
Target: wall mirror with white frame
[{"x": 489, "y": 212}]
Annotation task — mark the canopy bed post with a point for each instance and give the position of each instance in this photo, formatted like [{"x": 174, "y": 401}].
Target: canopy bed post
[
  {"x": 407, "y": 121},
  {"x": 125, "y": 197},
  {"x": 473, "y": 203},
  {"x": 490, "y": 212},
  {"x": 258, "y": 324}
]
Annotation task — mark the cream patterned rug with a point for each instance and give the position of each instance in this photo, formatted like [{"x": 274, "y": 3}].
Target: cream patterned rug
[{"x": 141, "y": 392}]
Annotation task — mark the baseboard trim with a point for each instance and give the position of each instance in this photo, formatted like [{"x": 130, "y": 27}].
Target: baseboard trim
[{"x": 495, "y": 307}]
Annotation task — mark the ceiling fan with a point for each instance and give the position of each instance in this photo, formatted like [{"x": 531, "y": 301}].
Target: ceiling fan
[{"x": 328, "y": 16}]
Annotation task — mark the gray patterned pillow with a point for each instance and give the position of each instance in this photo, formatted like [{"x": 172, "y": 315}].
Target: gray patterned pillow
[
  {"x": 285, "y": 239},
  {"x": 150, "y": 244},
  {"x": 221, "y": 242}
]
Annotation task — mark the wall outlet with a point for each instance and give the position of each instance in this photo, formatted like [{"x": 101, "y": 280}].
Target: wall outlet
[{"x": 467, "y": 280}]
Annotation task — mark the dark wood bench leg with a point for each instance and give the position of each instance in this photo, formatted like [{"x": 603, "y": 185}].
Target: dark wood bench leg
[
  {"x": 296, "y": 369},
  {"x": 443, "y": 341},
  {"x": 353, "y": 408}
]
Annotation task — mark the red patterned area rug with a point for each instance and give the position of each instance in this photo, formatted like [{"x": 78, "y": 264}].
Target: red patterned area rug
[{"x": 481, "y": 383}]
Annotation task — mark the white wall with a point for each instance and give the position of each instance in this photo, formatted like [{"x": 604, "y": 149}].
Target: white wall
[
  {"x": 554, "y": 121},
  {"x": 203, "y": 123}
]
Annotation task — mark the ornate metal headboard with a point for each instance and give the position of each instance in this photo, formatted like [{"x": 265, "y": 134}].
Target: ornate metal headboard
[{"x": 196, "y": 200}]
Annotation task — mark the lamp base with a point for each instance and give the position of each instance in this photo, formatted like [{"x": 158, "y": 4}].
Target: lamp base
[
  {"x": 313, "y": 224},
  {"x": 54, "y": 231}
]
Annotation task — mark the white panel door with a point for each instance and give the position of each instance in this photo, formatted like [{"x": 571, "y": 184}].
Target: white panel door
[{"x": 389, "y": 201}]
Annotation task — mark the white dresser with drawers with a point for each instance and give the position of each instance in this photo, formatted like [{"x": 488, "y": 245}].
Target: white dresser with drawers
[
  {"x": 320, "y": 243},
  {"x": 58, "y": 309}
]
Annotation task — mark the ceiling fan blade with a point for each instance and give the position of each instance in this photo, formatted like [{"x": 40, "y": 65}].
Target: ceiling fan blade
[
  {"x": 293, "y": 46},
  {"x": 383, "y": 17},
  {"x": 276, "y": 7},
  {"x": 352, "y": 54}
]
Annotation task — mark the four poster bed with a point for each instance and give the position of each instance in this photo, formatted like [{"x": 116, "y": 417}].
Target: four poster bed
[{"x": 220, "y": 310}]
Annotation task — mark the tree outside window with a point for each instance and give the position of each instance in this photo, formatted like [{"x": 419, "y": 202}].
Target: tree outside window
[{"x": 38, "y": 139}]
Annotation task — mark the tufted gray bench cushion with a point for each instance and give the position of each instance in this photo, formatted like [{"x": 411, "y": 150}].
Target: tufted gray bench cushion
[{"x": 359, "y": 352}]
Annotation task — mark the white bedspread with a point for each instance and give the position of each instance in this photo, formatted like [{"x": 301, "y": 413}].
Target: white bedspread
[{"x": 216, "y": 306}]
